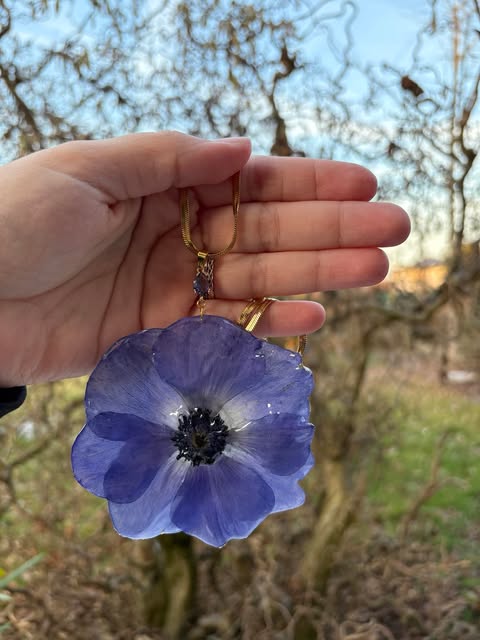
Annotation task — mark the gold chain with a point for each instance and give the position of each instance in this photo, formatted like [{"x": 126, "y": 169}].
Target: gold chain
[
  {"x": 252, "y": 313},
  {"x": 185, "y": 220}
]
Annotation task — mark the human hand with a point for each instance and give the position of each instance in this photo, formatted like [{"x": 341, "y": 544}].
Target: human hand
[{"x": 92, "y": 249}]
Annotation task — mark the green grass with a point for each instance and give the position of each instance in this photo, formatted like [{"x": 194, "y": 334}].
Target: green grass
[{"x": 420, "y": 418}]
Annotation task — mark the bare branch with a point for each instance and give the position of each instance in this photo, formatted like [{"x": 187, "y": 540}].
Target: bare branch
[
  {"x": 32, "y": 453},
  {"x": 24, "y": 110},
  {"x": 431, "y": 487},
  {"x": 476, "y": 4},
  {"x": 8, "y": 22}
]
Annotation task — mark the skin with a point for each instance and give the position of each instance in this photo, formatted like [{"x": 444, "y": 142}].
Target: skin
[{"x": 92, "y": 249}]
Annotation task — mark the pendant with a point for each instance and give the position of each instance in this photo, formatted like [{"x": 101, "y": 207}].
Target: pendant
[
  {"x": 203, "y": 282},
  {"x": 200, "y": 427}
]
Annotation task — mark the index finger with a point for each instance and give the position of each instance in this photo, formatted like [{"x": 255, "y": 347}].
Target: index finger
[{"x": 269, "y": 178}]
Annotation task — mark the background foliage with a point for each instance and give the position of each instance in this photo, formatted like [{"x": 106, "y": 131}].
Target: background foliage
[{"x": 385, "y": 546}]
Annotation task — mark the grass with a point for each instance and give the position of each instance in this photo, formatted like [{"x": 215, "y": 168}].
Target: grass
[{"x": 422, "y": 415}]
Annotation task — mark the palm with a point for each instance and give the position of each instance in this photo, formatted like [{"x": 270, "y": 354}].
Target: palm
[{"x": 121, "y": 290}]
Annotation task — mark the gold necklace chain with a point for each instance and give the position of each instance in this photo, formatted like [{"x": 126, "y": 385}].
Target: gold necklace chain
[{"x": 185, "y": 221}]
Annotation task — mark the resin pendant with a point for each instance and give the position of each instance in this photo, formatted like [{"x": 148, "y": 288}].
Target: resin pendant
[{"x": 200, "y": 427}]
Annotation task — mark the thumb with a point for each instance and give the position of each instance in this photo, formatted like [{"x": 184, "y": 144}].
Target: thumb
[{"x": 140, "y": 164}]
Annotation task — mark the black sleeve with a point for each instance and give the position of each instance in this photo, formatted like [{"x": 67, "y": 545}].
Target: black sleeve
[{"x": 11, "y": 399}]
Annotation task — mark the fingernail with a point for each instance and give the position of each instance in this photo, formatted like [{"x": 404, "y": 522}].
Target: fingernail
[{"x": 234, "y": 140}]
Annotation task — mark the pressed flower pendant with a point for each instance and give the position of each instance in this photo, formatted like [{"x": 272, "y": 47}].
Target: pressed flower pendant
[{"x": 199, "y": 427}]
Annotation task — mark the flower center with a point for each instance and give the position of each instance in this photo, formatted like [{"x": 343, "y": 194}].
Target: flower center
[{"x": 200, "y": 437}]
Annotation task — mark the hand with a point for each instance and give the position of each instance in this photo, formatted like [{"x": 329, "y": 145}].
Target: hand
[{"x": 92, "y": 249}]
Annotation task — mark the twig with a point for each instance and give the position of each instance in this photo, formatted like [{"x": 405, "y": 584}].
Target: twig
[{"x": 431, "y": 487}]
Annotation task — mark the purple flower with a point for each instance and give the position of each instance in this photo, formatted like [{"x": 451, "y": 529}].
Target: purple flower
[{"x": 200, "y": 427}]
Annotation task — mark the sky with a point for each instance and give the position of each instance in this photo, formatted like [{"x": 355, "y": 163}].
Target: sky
[
  {"x": 386, "y": 29},
  {"x": 383, "y": 29}
]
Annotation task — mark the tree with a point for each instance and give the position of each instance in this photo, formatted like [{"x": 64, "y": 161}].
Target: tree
[
  {"x": 431, "y": 128},
  {"x": 67, "y": 84}
]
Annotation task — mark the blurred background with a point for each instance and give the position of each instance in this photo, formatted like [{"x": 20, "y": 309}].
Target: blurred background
[{"x": 386, "y": 546}]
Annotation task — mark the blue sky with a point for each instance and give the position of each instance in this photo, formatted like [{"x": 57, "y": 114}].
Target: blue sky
[
  {"x": 386, "y": 30},
  {"x": 383, "y": 30}
]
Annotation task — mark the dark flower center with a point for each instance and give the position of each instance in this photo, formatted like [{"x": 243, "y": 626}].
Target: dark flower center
[{"x": 200, "y": 437}]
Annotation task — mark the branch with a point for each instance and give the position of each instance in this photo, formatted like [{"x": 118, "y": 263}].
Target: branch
[
  {"x": 362, "y": 367},
  {"x": 281, "y": 146},
  {"x": 6, "y": 28},
  {"x": 432, "y": 486},
  {"x": 438, "y": 298},
  {"x": 32, "y": 453},
  {"x": 395, "y": 314},
  {"x": 7, "y": 470},
  {"x": 476, "y": 4},
  {"x": 471, "y": 102},
  {"x": 22, "y": 107}
]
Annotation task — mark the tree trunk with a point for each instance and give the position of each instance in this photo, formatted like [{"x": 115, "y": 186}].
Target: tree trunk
[
  {"x": 334, "y": 518},
  {"x": 171, "y": 594}
]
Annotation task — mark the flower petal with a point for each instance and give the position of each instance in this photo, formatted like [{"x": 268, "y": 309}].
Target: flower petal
[
  {"x": 116, "y": 455},
  {"x": 91, "y": 458},
  {"x": 279, "y": 443},
  {"x": 221, "y": 501},
  {"x": 133, "y": 470},
  {"x": 288, "y": 493},
  {"x": 125, "y": 381},
  {"x": 284, "y": 387},
  {"x": 149, "y": 516},
  {"x": 208, "y": 360},
  {"x": 124, "y": 426}
]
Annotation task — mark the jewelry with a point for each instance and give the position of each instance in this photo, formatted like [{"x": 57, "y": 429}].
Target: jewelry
[
  {"x": 198, "y": 427},
  {"x": 203, "y": 281},
  {"x": 252, "y": 313}
]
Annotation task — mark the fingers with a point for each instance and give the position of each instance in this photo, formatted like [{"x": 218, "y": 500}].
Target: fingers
[
  {"x": 305, "y": 226},
  {"x": 282, "y": 318},
  {"x": 285, "y": 274},
  {"x": 306, "y": 179},
  {"x": 145, "y": 163},
  {"x": 267, "y": 179}
]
